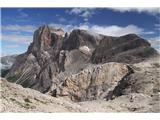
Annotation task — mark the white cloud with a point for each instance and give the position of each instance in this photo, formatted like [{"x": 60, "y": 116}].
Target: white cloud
[
  {"x": 85, "y": 19},
  {"x": 22, "y": 14},
  {"x": 76, "y": 10},
  {"x": 86, "y": 14},
  {"x": 19, "y": 28},
  {"x": 112, "y": 30},
  {"x": 155, "y": 41},
  {"x": 148, "y": 32},
  {"x": 138, "y": 9},
  {"x": 83, "y": 12},
  {"x": 18, "y": 38},
  {"x": 157, "y": 27},
  {"x": 115, "y": 30}
]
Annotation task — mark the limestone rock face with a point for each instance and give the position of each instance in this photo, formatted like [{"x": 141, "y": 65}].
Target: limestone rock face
[
  {"x": 37, "y": 66},
  {"x": 94, "y": 82},
  {"x": 80, "y": 65},
  {"x": 127, "y": 49}
]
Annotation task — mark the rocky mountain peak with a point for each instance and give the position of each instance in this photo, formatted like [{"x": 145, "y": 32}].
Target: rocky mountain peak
[
  {"x": 79, "y": 38},
  {"x": 42, "y": 38},
  {"x": 45, "y": 38}
]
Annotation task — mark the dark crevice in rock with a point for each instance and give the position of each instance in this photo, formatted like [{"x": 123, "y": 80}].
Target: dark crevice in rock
[{"x": 123, "y": 83}]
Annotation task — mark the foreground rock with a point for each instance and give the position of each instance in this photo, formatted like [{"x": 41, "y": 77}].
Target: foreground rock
[
  {"x": 15, "y": 98},
  {"x": 94, "y": 82}
]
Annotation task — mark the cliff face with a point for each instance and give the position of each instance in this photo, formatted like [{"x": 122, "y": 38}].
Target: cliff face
[
  {"x": 94, "y": 82},
  {"x": 76, "y": 65},
  {"x": 126, "y": 49}
]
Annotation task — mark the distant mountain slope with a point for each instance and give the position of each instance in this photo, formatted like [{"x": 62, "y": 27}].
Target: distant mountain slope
[{"x": 6, "y": 63}]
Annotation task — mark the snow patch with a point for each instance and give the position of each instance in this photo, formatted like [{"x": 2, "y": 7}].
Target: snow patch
[{"x": 85, "y": 49}]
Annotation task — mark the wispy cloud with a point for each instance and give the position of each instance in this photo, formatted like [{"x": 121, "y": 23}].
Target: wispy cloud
[
  {"x": 83, "y": 12},
  {"x": 19, "y": 28},
  {"x": 18, "y": 38},
  {"x": 22, "y": 14},
  {"x": 112, "y": 30},
  {"x": 155, "y": 41},
  {"x": 148, "y": 32},
  {"x": 148, "y": 10},
  {"x": 157, "y": 26},
  {"x": 17, "y": 33}
]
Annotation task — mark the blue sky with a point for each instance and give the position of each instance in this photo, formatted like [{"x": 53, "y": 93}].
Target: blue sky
[{"x": 19, "y": 24}]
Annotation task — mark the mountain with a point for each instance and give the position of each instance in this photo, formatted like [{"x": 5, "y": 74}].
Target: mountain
[
  {"x": 141, "y": 95},
  {"x": 6, "y": 63},
  {"x": 83, "y": 66}
]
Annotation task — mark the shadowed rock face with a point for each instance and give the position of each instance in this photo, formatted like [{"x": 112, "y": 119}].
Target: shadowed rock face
[
  {"x": 79, "y": 38},
  {"x": 65, "y": 65},
  {"x": 126, "y": 49}
]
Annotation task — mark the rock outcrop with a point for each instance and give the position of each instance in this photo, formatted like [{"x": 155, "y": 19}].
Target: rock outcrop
[
  {"x": 81, "y": 66},
  {"x": 94, "y": 82},
  {"x": 15, "y": 98}
]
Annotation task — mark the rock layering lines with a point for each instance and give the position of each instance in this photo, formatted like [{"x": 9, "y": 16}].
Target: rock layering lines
[
  {"x": 93, "y": 82},
  {"x": 80, "y": 66}
]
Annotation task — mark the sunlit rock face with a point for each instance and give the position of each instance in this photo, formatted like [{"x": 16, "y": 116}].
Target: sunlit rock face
[{"x": 80, "y": 65}]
